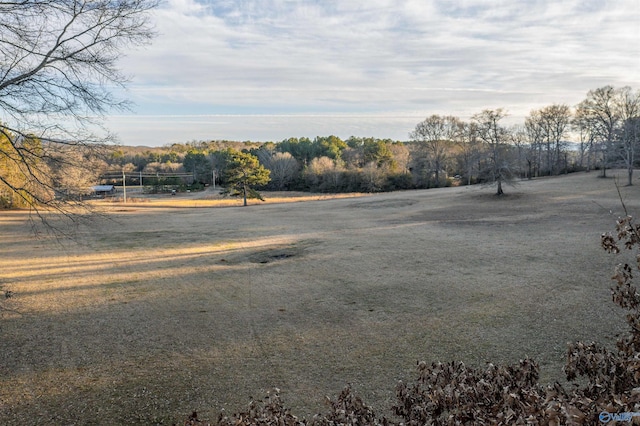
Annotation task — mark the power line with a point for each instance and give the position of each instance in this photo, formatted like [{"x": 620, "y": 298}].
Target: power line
[{"x": 119, "y": 175}]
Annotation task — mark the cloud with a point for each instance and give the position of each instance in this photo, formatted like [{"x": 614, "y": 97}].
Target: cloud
[
  {"x": 275, "y": 127},
  {"x": 395, "y": 57}
]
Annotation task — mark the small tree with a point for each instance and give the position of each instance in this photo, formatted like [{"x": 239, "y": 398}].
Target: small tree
[
  {"x": 324, "y": 174},
  {"x": 243, "y": 173},
  {"x": 283, "y": 167},
  {"x": 495, "y": 138}
]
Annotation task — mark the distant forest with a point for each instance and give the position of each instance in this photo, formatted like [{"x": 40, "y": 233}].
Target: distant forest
[{"x": 602, "y": 131}]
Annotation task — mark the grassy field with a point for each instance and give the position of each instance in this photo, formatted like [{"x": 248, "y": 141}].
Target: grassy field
[{"x": 164, "y": 308}]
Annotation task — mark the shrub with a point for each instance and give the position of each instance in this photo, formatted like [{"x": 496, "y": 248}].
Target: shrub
[
  {"x": 398, "y": 181},
  {"x": 446, "y": 392}
]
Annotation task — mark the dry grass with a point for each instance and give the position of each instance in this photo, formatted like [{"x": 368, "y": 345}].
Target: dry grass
[
  {"x": 212, "y": 198},
  {"x": 165, "y": 310}
]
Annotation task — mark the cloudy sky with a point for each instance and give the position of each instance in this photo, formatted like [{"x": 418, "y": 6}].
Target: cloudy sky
[{"x": 271, "y": 69}]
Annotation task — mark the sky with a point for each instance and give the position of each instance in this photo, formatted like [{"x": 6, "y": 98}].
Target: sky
[{"x": 267, "y": 70}]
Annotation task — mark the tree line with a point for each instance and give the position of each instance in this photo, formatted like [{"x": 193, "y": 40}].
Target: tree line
[{"x": 600, "y": 132}]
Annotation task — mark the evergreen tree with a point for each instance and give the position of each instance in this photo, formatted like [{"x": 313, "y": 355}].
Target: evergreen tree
[{"x": 244, "y": 172}]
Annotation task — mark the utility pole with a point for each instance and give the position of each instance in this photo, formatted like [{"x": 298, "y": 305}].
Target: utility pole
[{"x": 124, "y": 186}]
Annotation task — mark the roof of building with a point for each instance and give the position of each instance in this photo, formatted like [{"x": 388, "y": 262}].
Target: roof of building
[{"x": 102, "y": 188}]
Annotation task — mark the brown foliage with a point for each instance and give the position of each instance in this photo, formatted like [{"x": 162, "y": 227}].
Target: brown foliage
[
  {"x": 456, "y": 394},
  {"x": 267, "y": 412}
]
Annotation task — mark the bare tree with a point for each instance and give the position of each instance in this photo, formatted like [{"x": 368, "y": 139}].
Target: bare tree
[
  {"x": 524, "y": 151},
  {"x": 325, "y": 174},
  {"x": 628, "y": 133},
  {"x": 580, "y": 124},
  {"x": 282, "y": 165},
  {"x": 372, "y": 177},
  {"x": 57, "y": 74},
  {"x": 437, "y": 134},
  {"x": 606, "y": 118},
  {"x": 598, "y": 115},
  {"x": 556, "y": 119},
  {"x": 548, "y": 127},
  {"x": 470, "y": 149},
  {"x": 536, "y": 138},
  {"x": 73, "y": 183},
  {"x": 400, "y": 155},
  {"x": 157, "y": 167},
  {"x": 495, "y": 138}
]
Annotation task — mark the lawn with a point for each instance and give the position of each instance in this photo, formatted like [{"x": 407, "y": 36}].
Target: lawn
[{"x": 163, "y": 308}]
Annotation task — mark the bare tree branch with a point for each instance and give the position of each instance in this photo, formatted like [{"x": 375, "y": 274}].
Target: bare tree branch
[{"x": 58, "y": 65}]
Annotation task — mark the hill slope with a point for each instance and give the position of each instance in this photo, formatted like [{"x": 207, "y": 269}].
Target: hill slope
[{"x": 165, "y": 310}]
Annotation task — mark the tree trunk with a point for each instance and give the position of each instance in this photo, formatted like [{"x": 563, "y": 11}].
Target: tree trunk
[
  {"x": 500, "y": 191},
  {"x": 244, "y": 193},
  {"x": 630, "y": 176}
]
